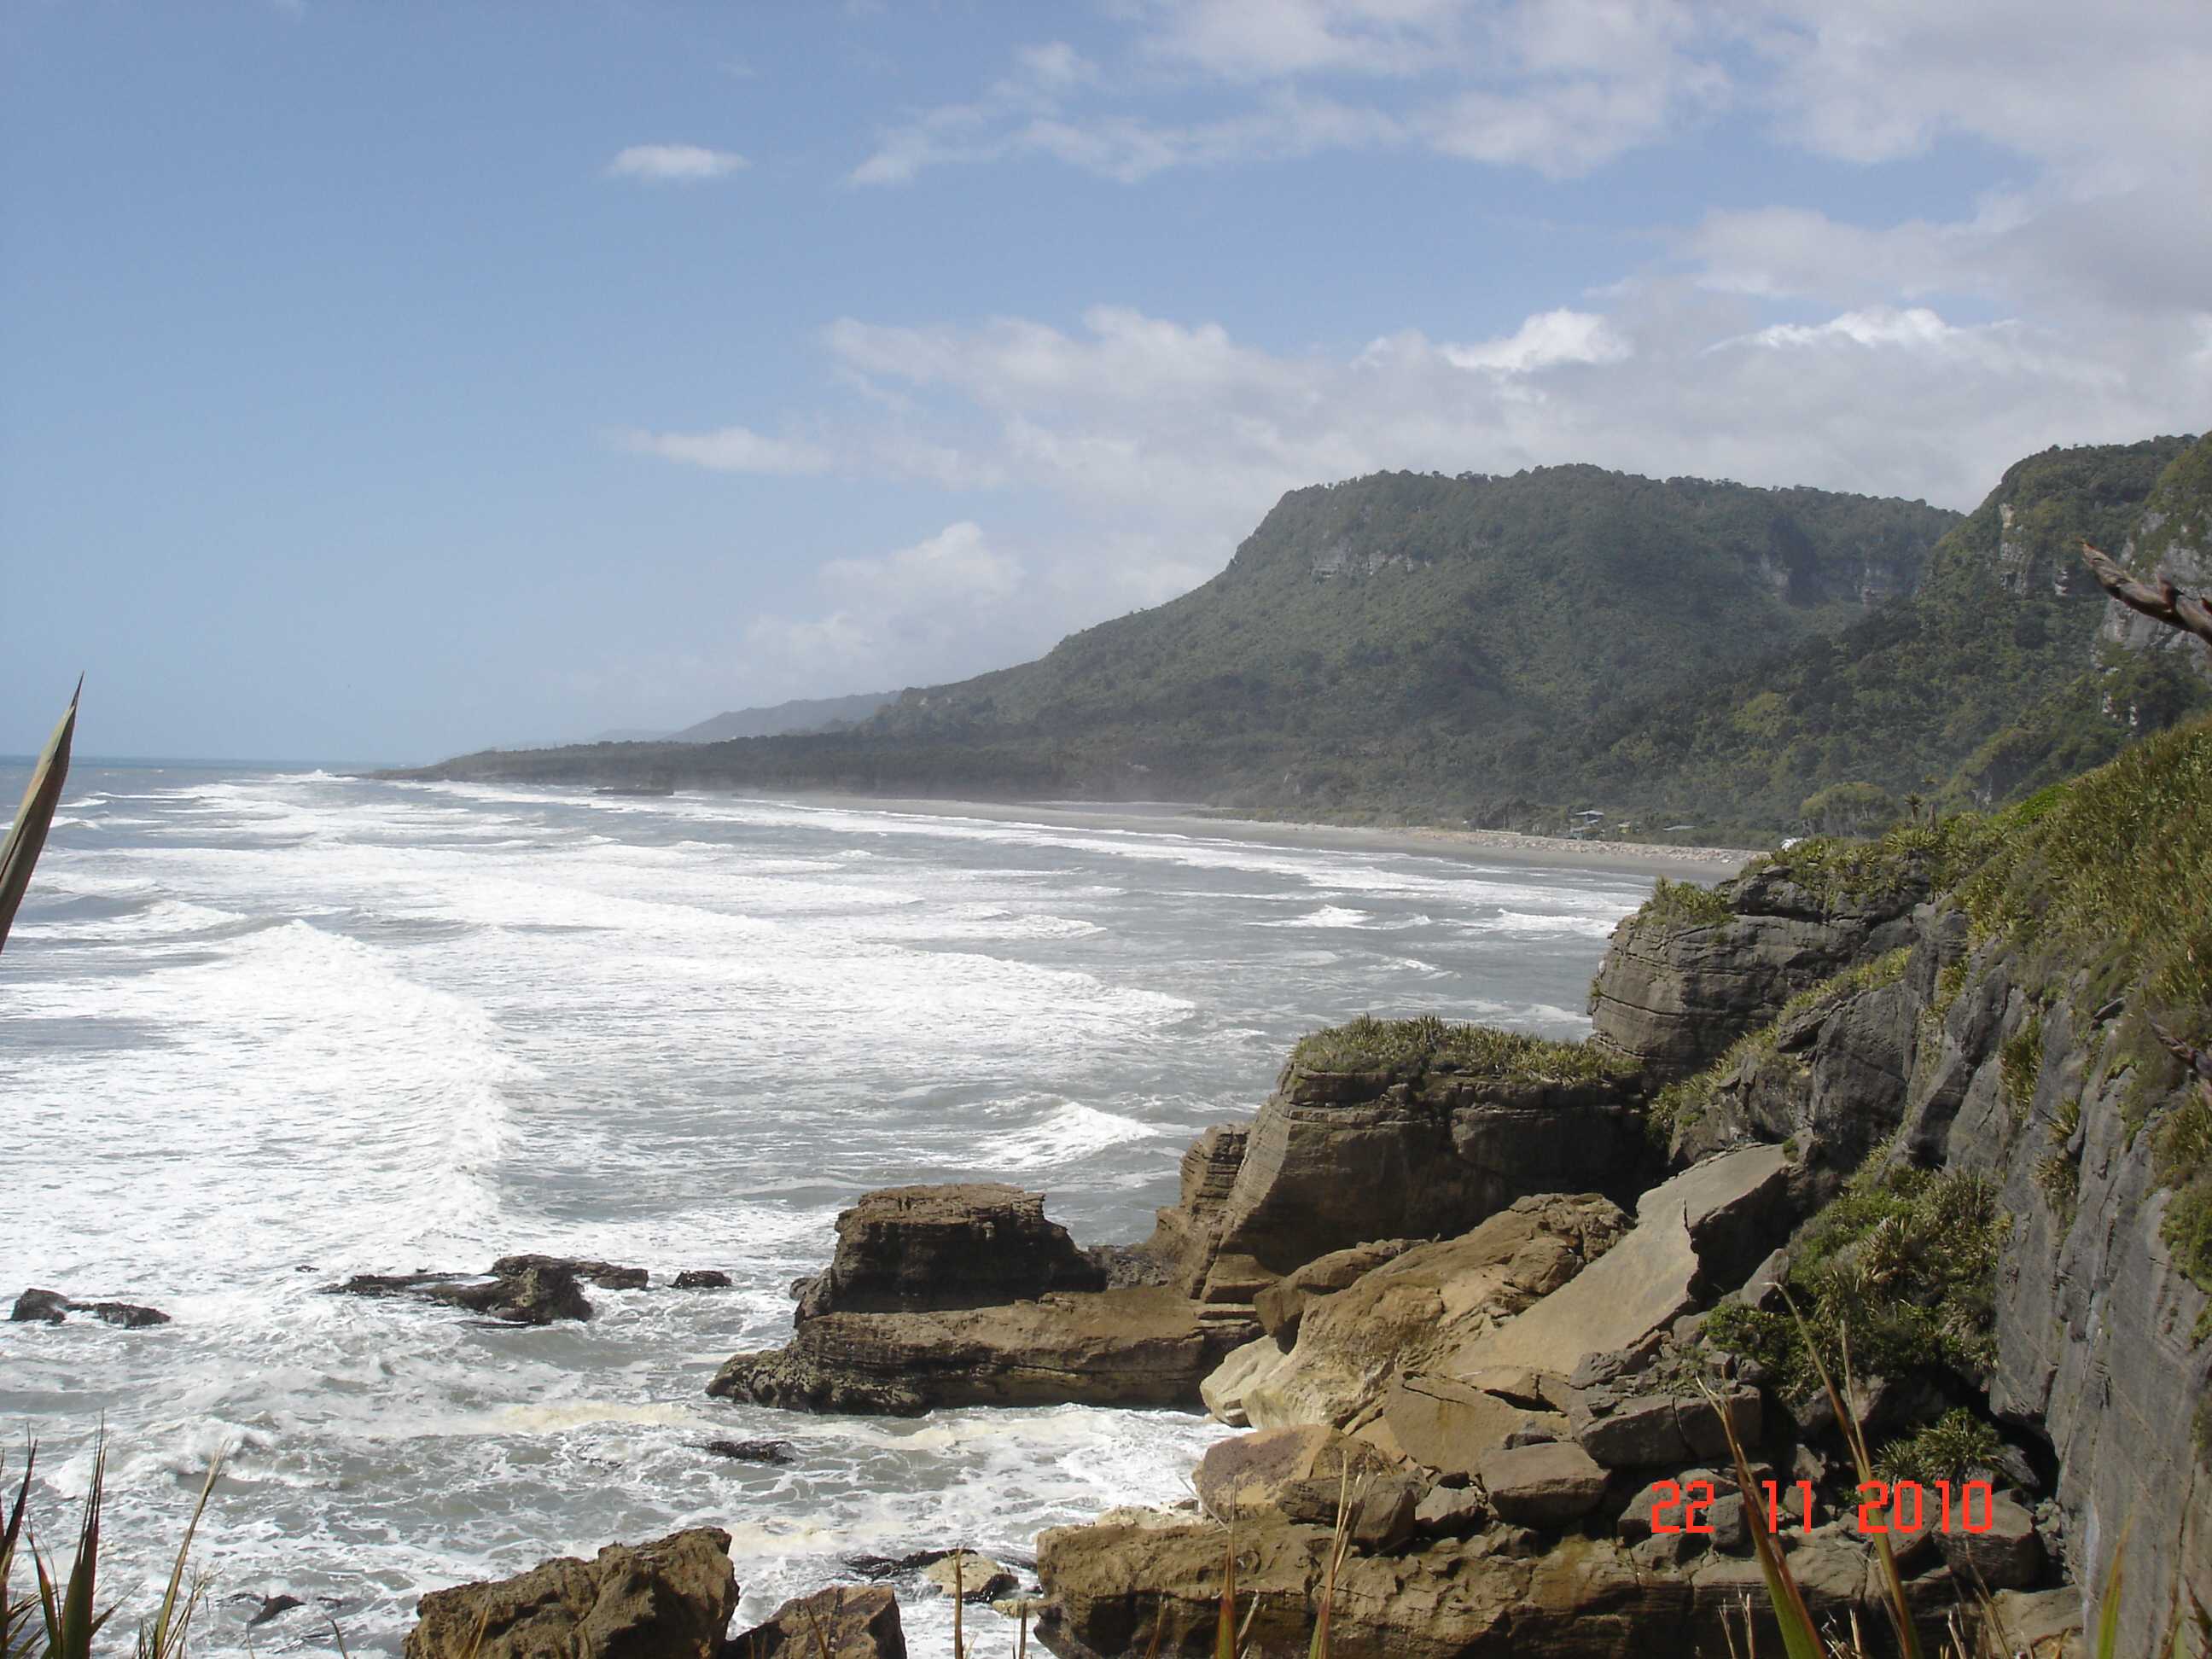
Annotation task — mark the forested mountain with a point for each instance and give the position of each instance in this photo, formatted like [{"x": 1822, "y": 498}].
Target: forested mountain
[
  {"x": 1507, "y": 651},
  {"x": 800, "y": 715},
  {"x": 1979, "y": 685}
]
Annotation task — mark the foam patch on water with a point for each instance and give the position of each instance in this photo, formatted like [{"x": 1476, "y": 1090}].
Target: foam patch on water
[{"x": 303, "y": 1022}]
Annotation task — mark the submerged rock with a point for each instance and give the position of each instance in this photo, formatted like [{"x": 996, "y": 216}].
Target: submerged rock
[
  {"x": 670, "y": 1599},
  {"x": 521, "y": 1290},
  {"x": 701, "y": 1278},
  {"x": 607, "y": 1275},
  {"x": 52, "y": 1308},
  {"x": 755, "y": 1451}
]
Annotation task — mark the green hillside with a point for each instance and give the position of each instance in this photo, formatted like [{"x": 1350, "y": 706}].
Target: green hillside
[
  {"x": 1978, "y": 687},
  {"x": 1697, "y": 660},
  {"x": 1392, "y": 645}
]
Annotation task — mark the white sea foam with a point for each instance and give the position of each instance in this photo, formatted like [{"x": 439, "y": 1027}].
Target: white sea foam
[{"x": 303, "y": 1021}]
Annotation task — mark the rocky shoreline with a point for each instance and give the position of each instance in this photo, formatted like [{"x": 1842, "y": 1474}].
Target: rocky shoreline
[{"x": 1506, "y": 1299}]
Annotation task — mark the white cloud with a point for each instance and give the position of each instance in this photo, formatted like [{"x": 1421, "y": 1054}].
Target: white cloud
[
  {"x": 729, "y": 449},
  {"x": 1548, "y": 339},
  {"x": 675, "y": 163}
]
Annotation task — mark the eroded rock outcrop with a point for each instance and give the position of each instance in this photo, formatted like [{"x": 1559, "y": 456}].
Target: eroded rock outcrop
[
  {"x": 670, "y": 1599},
  {"x": 907, "y": 1249},
  {"x": 959, "y": 1296},
  {"x": 1396, "y": 1130},
  {"x": 846, "y": 1621},
  {"x": 1131, "y": 1347},
  {"x": 1684, "y": 979}
]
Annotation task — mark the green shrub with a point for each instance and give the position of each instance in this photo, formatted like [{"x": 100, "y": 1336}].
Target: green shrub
[
  {"x": 1409, "y": 1048},
  {"x": 1943, "y": 1450},
  {"x": 1904, "y": 1259},
  {"x": 1683, "y": 904},
  {"x": 2020, "y": 1064}
]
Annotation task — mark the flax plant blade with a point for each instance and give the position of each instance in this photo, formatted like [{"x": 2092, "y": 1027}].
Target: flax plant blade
[{"x": 27, "y": 837}]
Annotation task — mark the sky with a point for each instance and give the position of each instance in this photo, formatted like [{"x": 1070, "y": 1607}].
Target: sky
[{"x": 383, "y": 381}]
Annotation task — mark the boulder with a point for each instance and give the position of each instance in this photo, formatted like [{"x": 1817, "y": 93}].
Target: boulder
[
  {"x": 52, "y": 1308},
  {"x": 912, "y": 1250},
  {"x": 1222, "y": 1390},
  {"x": 1449, "y": 1426},
  {"x": 1409, "y": 1314},
  {"x": 846, "y": 1621},
  {"x": 2009, "y": 1556},
  {"x": 1452, "y": 1512},
  {"x": 1542, "y": 1485},
  {"x": 701, "y": 1278},
  {"x": 607, "y": 1275},
  {"x": 971, "y": 1576},
  {"x": 670, "y": 1599},
  {"x": 1142, "y": 1346},
  {"x": 1628, "y": 1431},
  {"x": 1653, "y": 1275},
  {"x": 1280, "y": 1305},
  {"x": 1303, "y": 1474}
]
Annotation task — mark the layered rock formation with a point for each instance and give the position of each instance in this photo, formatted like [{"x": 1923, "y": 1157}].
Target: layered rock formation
[{"x": 967, "y": 1295}]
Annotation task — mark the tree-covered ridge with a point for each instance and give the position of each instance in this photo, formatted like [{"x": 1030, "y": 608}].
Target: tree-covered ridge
[
  {"x": 1692, "y": 660},
  {"x": 1980, "y": 686}
]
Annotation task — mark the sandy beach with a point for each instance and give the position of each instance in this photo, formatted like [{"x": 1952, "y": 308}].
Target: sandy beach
[{"x": 1703, "y": 864}]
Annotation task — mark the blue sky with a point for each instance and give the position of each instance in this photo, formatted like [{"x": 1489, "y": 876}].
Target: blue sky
[{"x": 382, "y": 382}]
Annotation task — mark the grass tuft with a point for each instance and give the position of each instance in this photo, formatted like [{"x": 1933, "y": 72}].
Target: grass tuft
[{"x": 1407, "y": 1049}]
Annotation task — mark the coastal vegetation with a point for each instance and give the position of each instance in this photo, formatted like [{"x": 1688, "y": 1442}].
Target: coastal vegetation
[{"x": 1408, "y": 1049}]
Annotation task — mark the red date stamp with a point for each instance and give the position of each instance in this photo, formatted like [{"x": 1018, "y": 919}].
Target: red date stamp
[{"x": 1902, "y": 1506}]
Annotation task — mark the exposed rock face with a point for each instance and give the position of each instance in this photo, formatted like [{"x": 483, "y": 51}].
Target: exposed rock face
[
  {"x": 1186, "y": 1233},
  {"x": 701, "y": 1278},
  {"x": 850, "y": 1622},
  {"x": 1281, "y": 1305},
  {"x": 1727, "y": 1208},
  {"x": 970, "y": 1576},
  {"x": 909, "y": 1249},
  {"x": 1423, "y": 1306},
  {"x": 1337, "y": 1159},
  {"x": 1673, "y": 994},
  {"x": 1305, "y": 1473},
  {"x": 1124, "y": 1584},
  {"x": 1132, "y": 1347},
  {"x": 672, "y": 1597},
  {"x": 2095, "y": 1326},
  {"x": 51, "y": 1308}
]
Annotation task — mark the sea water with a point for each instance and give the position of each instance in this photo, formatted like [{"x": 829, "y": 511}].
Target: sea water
[{"x": 260, "y": 1031}]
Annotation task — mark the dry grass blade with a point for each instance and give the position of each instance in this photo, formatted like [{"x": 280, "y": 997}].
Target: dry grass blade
[
  {"x": 1800, "y": 1637},
  {"x": 1224, "y": 1627},
  {"x": 1339, "y": 1544},
  {"x": 167, "y": 1637},
  {"x": 1900, "y": 1610},
  {"x": 959, "y": 1598},
  {"x": 27, "y": 837}
]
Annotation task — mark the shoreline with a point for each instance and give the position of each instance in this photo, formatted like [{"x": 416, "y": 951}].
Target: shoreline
[{"x": 1468, "y": 845}]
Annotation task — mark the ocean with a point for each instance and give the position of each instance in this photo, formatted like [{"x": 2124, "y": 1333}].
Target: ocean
[{"x": 260, "y": 1030}]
